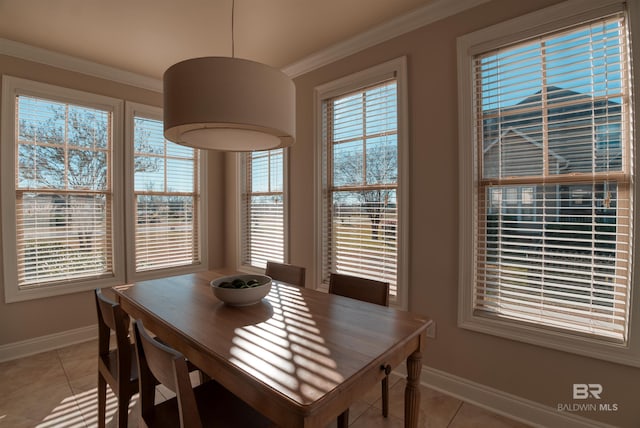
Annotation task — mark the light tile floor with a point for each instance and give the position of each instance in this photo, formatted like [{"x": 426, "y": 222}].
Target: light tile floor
[{"x": 57, "y": 389}]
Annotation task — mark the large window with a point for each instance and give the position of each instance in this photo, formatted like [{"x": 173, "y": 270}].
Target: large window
[
  {"x": 59, "y": 192},
  {"x": 552, "y": 145},
  {"x": 262, "y": 208},
  {"x": 83, "y": 208},
  {"x": 361, "y": 181},
  {"x": 166, "y": 189}
]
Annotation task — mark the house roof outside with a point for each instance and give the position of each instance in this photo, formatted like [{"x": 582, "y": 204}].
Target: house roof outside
[{"x": 578, "y": 125}]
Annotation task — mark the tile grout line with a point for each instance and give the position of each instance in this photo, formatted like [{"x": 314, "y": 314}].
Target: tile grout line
[
  {"x": 455, "y": 414},
  {"x": 73, "y": 393},
  {"x": 360, "y": 415}
]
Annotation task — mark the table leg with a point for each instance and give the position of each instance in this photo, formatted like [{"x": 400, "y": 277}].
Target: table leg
[
  {"x": 343, "y": 419},
  {"x": 412, "y": 391}
]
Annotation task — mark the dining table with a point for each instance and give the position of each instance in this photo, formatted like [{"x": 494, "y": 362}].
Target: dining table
[{"x": 299, "y": 356}]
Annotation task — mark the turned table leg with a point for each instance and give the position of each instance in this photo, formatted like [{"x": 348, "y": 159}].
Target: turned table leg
[{"x": 412, "y": 391}]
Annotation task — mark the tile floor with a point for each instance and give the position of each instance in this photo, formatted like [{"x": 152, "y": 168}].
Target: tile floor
[{"x": 57, "y": 389}]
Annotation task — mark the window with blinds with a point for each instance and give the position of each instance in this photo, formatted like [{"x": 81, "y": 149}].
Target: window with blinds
[
  {"x": 554, "y": 180},
  {"x": 166, "y": 190},
  {"x": 63, "y": 192},
  {"x": 262, "y": 229},
  {"x": 360, "y": 168}
]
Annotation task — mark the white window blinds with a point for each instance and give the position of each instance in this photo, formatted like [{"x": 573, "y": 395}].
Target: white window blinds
[
  {"x": 63, "y": 192},
  {"x": 262, "y": 230},
  {"x": 361, "y": 175},
  {"x": 553, "y": 196},
  {"x": 167, "y": 197}
]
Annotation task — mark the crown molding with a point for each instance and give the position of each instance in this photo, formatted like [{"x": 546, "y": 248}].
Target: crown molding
[
  {"x": 432, "y": 12},
  {"x": 71, "y": 63},
  {"x": 435, "y": 11}
]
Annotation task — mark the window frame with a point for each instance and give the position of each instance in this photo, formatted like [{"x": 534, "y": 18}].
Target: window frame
[
  {"x": 133, "y": 110},
  {"x": 395, "y": 68},
  {"x": 541, "y": 22},
  {"x": 11, "y": 88}
]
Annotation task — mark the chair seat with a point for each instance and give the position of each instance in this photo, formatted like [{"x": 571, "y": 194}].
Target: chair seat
[
  {"x": 109, "y": 368},
  {"x": 225, "y": 410}
]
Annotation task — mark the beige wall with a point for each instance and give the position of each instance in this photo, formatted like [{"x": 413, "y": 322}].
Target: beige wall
[
  {"x": 539, "y": 374},
  {"x": 35, "y": 318},
  {"x": 528, "y": 371}
]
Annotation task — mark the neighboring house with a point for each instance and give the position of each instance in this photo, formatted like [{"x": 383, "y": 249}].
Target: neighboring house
[
  {"x": 515, "y": 153},
  {"x": 575, "y": 129},
  {"x": 513, "y": 147},
  {"x": 524, "y": 214}
]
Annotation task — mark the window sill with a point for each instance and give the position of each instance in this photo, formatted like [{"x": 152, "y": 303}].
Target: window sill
[
  {"x": 14, "y": 294},
  {"x": 559, "y": 340}
]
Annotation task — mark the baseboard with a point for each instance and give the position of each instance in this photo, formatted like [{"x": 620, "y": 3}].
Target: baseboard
[
  {"x": 502, "y": 403},
  {"x": 12, "y": 351}
]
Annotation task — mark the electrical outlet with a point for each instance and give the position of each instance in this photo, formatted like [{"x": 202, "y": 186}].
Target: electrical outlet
[{"x": 431, "y": 330}]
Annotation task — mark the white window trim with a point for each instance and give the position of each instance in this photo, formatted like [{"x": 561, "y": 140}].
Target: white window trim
[
  {"x": 12, "y": 87},
  {"x": 396, "y": 68},
  {"x": 133, "y": 110},
  {"x": 540, "y": 22},
  {"x": 240, "y": 171}
]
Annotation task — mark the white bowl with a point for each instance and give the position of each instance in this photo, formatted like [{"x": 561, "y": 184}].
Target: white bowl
[{"x": 241, "y": 296}]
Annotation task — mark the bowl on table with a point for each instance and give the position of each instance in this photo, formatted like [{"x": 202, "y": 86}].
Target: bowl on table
[{"x": 241, "y": 290}]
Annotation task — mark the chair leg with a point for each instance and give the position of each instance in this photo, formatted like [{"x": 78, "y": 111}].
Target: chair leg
[
  {"x": 385, "y": 396},
  {"x": 123, "y": 411},
  {"x": 102, "y": 401},
  {"x": 343, "y": 419}
]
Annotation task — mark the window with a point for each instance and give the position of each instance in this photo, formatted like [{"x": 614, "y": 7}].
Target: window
[
  {"x": 59, "y": 230},
  {"x": 550, "y": 234},
  {"x": 362, "y": 145},
  {"x": 166, "y": 194},
  {"x": 71, "y": 179},
  {"x": 262, "y": 207}
]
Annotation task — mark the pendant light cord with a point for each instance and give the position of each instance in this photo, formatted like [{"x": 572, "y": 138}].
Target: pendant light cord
[{"x": 233, "y": 42}]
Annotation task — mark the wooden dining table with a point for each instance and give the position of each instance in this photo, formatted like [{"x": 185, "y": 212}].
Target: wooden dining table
[{"x": 300, "y": 356}]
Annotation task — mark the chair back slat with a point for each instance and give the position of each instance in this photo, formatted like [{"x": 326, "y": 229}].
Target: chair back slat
[
  {"x": 291, "y": 274},
  {"x": 367, "y": 290},
  {"x": 160, "y": 363}
]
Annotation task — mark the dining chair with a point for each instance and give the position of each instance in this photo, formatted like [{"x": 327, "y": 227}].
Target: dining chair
[
  {"x": 367, "y": 290},
  {"x": 208, "y": 404},
  {"x": 116, "y": 367},
  {"x": 291, "y": 274}
]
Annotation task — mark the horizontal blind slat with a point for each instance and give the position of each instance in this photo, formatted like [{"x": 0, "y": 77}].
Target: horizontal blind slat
[
  {"x": 360, "y": 221},
  {"x": 167, "y": 197},
  {"x": 556, "y": 254},
  {"x": 63, "y": 192},
  {"x": 262, "y": 208}
]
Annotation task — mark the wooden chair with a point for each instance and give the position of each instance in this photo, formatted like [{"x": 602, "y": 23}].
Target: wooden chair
[
  {"x": 367, "y": 290},
  {"x": 116, "y": 367},
  {"x": 208, "y": 404},
  {"x": 371, "y": 291},
  {"x": 284, "y": 272}
]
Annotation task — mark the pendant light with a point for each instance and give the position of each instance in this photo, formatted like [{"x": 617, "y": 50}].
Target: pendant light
[{"x": 228, "y": 104}]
